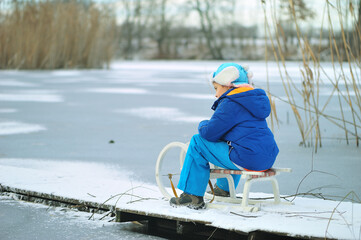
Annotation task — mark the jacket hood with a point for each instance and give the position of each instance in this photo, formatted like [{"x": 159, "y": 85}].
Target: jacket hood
[{"x": 255, "y": 101}]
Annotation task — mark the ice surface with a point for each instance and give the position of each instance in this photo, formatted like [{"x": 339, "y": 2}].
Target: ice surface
[
  {"x": 144, "y": 105},
  {"x": 31, "y": 96},
  {"x": 162, "y": 114},
  {"x": 119, "y": 90},
  {"x": 37, "y": 221},
  {"x": 195, "y": 96},
  {"x": 7, "y": 110},
  {"x": 65, "y": 73},
  {"x": 15, "y": 83}
]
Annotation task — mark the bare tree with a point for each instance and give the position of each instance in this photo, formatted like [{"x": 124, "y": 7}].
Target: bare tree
[
  {"x": 137, "y": 15},
  {"x": 143, "y": 11},
  {"x": 162, "y": 28},
  {"x": 205, "y": 8},
  {"x": 292, "y": 10}
]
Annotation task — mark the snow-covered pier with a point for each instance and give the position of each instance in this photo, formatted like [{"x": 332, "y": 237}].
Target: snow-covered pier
[{"x": 98, "y": 187}]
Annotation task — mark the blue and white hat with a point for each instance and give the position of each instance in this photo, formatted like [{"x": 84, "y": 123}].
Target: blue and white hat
[{"x": 231, "y": 75}]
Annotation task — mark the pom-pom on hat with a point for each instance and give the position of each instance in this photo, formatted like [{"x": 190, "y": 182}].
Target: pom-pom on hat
[{"x": 232, "y": 75}]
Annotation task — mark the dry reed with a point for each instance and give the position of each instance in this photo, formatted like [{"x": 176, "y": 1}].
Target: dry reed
[
  {"x": 345, "y": 57},
  {"x": 55, "y": 34}
]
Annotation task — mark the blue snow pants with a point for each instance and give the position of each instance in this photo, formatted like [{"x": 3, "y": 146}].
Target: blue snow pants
[{"x": 195, "y": 172}]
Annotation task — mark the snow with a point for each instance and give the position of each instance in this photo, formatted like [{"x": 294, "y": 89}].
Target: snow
[
  {"x": 31, "y": 96},
  {"x": 119, "y": 90},
  {"x": 162, "y": 114},
  {"x": 110, "y": 184},
  {"x": 66, "y": 73},
  {"x": 15, "y": 83},
  {"x": 8, "y": 110},
  {"x": 195, "y": 96},
  {"x": 9, "y": 128},
  {"x": 159, "y": 65}
]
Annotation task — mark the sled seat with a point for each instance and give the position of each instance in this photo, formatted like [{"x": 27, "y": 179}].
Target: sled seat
[{"x": 250, "y": 177}]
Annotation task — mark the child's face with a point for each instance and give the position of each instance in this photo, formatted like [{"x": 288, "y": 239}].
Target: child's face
[{"x": 220, "y": 89}]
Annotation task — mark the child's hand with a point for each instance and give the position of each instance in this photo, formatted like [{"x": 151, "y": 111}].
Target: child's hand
[{"x": 202, "y": 123}]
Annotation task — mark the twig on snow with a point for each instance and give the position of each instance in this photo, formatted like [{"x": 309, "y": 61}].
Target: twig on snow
[
  {"x": 241, "y": 215},
  {"x": 91, "y": 195}
]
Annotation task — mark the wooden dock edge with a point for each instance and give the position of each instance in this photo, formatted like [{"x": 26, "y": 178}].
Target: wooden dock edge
[
  {"x": 157, "y": 224},
  {"x": 54, "y": 200},
  {"x": 182, "y": 228}
]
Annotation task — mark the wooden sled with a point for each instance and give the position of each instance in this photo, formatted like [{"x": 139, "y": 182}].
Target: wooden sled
[{"x": 244, "y": 203}]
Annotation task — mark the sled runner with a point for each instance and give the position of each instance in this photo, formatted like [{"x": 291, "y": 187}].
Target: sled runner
[{"x": 250, "y": 177}]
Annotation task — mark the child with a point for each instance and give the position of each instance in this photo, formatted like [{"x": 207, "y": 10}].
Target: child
[{"x": 236, "y": 137}]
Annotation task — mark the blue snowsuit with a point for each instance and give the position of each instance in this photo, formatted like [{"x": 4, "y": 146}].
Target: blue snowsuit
[{"x": 237, "y": 133}]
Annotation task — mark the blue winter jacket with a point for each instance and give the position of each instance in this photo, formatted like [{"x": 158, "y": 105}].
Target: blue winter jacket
[{"x": 239, "y": 119}]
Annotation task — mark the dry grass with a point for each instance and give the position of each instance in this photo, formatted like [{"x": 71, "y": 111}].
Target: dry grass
[
  {"x": 55, "y": 34},
  {"x": 345, "y": 54}
]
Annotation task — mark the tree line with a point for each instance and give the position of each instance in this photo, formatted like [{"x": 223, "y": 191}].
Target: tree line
[
  {"x": 75, "y": 33},
  {"x": 220, "y": 29}
]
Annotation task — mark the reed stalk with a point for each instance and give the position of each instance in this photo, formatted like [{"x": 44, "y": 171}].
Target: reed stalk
[
  {"x": 346, "y": 61},
  {"x": 273, "y": 114},
  {"x": 279, "y": 57}
]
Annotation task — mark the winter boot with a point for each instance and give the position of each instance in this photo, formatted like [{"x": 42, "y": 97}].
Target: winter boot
[
  {"x": 219, "y": 192},
  {"x": 188, "y": 200}
]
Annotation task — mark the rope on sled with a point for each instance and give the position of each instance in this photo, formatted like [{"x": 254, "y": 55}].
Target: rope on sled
[
  {"x": 171, "y": 183},
  {"x": 175, "y": 192},
  {"x": 210, "y": 185}
]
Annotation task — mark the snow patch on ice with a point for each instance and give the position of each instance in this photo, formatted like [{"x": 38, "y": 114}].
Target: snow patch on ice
[
  {"x": 157, "y": 81},
  {"x": 162, "y": 113},
  {"x": 165, "y": 65},
  {"x": 119, "y": 90},
  {"x": 15, "y": 83},
  {"x": 31, "y": 96},
  {"x": 66, "y": 73},
  {"x": 195, "y": 96},
  {"x": 9, "y": 128},
  {"x": 8, "y": 110},
  {"x": 68, "y": 80}
]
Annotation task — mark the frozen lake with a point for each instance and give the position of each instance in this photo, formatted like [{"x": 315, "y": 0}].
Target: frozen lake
[{"x": 141, "y": 106}]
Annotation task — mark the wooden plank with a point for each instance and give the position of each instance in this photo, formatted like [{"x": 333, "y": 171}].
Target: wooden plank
[
  {"x": 122, "y": 216},
  {"x": 171, "y": 228},
  {"x": 157, "y": 215}
]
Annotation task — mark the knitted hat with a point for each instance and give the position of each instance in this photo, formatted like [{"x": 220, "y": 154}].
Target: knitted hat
[{"x": 231, "y": 75}]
